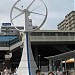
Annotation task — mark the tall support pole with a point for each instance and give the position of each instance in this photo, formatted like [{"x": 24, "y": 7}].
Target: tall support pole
[
  {"x": 74, "y": 65},
  {"x": 54, "y": 66},
  {"x": 50, "y": 65},
  {"x": 27, "y": 64},
  {"x": 65, "y": 67},
  {"x": 61, "y": 66},
  {"x": 26, "y": 27},
  {"x": 39, "y": 63}
]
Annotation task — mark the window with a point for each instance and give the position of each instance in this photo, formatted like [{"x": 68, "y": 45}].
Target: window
[{"x": 63, "y": 34}]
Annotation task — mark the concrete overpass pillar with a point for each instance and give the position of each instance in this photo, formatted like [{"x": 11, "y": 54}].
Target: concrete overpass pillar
[
  {"x": 7, "y": 63},
  {"x": 61, "y": 66},
  {"x": 50, "y": 65},
  {"x": 7, "y": 60}
]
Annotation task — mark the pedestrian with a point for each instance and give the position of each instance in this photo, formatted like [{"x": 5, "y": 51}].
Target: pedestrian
[
  {"x": 64, "y": 73},
  {"x": 1, "y": 72},
  {"x": 38, "y": 72},
  {"x": 51, "y": 73},
  {"x": 6, "y": 71},
  {"x": 42, "y": 74}
]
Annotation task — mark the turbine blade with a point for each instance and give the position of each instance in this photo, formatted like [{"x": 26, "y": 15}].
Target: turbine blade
[
  {"x": 18, "y": 9},
  {"x": 37, "y": 13},
  {"x": 36, "y": 8},
  {"x": 30, "y": 4},
  {"x": 17, "y": 15}
]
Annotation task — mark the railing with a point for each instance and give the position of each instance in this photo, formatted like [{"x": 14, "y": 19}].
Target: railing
[
  {"x": 9, "y": 43},
  {"x": 51, "y": 38},
  {"x": 16, "y": 45},
  {"x": 12, "y": 46}
]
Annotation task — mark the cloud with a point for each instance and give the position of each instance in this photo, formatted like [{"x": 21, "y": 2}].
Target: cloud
[{"x": 57, "y": 9}]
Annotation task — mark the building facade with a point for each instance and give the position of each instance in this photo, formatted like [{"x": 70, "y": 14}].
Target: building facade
[
  {"x": 7, "y": 29},
  {"x": 68, "y": 23}
]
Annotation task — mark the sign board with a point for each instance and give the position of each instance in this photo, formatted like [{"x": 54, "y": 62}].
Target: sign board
[{"x": 6, "y": 24}]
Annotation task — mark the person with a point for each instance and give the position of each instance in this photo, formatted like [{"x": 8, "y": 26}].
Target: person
[
  {"x": 51, "y": 73},
  {"x": 64, "y": 73},
  {"x": 10, "y": 71},
  {"x": 6, "y": 71},
  {"x": 15, "y": 72},
  {"x": 42, "y": 74},
  {"x": 2, "y": 72},
  {"x": 38, "y": 72}
]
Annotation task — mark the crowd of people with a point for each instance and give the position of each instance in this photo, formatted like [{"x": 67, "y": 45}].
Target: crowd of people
[
  {"x": 7, "y": 71},
  {"x": 38, "y": 72}
]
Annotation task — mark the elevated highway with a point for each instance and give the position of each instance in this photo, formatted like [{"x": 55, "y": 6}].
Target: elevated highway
[
  {"x": 47, "y": 37},
  {"x": 53, "y": 36}
]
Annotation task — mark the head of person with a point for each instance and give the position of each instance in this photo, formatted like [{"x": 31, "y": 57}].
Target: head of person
[
  {"x": 42, "y": 74},
  {"x": 64, "y": 73},
  {"x": 51, "y": 73},
  {"x": 6, "y": 68},
  {"x": 38, "y": 72}
]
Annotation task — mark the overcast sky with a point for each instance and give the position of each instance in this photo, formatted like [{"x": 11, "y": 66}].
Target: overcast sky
[{"x": 57, "y": 9}]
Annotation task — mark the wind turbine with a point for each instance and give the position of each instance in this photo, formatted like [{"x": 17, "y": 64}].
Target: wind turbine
[{"x": 27, "y": 64}]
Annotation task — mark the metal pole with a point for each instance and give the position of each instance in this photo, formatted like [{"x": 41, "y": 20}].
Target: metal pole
[
  {"x": 50, "y": 65},
  {"x": 65, "y": 67},
  {"x": 39, "y": 62},
  {"x": 74, "y": 65},
  {"x": 61, "y": 66},
  {"x": 54, "y": 66},
  {"x": 3, "y": 63},
  {"x": 26, "y": 27}
]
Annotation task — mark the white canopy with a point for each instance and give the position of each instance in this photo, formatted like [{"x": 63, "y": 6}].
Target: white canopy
[{"x": 62, "y": 56}]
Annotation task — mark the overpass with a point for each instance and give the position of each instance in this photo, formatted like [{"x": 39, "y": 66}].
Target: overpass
[
  {"x": 53, "y": 36},
  {"x": 47, "y": 36}
]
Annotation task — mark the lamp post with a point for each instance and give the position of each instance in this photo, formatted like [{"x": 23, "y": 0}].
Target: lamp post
[
  {"x": 39, "y": 61},
  {"x": 3, "y": 64}
]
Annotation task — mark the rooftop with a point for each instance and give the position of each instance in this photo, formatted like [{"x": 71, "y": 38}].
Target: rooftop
[{"x": 7, "y": 38}]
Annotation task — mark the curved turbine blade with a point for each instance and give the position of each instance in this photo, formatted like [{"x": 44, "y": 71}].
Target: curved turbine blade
[
  {"x": 17, "y": 15},
  {"x": 18, "y": 9},
  {"x": 36, "y": 8},
  {"x": 37, "y": 13},
  {"x": 30, "y": 4}
]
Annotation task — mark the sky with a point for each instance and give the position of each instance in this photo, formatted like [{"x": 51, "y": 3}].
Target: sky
[{"x": 57, "y": 10}]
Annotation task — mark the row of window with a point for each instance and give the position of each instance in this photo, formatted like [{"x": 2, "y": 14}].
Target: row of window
[
  {"x": 53, "y": 34},
  {"x": 9, "y": 28}
]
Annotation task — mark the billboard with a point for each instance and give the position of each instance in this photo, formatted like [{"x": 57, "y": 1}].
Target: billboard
[{"x": 6, "y": 24}]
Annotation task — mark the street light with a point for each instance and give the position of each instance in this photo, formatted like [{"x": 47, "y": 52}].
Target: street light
[
  {"x": 39, "y": 61},
  {"x": 3, "y": 64}
]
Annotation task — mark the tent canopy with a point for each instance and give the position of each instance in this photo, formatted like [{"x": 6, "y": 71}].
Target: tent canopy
[{"x": 63, "y": 56}]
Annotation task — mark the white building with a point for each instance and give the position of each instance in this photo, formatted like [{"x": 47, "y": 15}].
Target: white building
[{"x": 68, "y": 23}]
